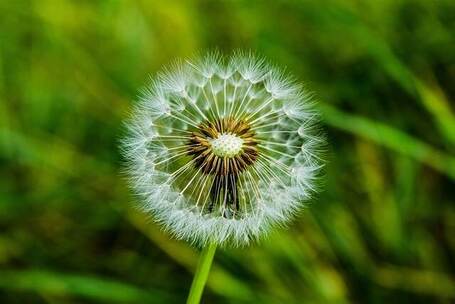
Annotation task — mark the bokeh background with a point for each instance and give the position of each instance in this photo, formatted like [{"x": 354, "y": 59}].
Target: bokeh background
[{"x": 381, "y": 231}]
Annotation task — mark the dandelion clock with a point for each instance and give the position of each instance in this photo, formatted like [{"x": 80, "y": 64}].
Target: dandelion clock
[{"x": 221, "y": 150}]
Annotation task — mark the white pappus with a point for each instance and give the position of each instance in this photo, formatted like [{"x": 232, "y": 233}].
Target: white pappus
[{"x": 221, "y": 149}]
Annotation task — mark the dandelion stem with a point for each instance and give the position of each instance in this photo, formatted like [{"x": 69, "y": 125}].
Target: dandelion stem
[{"x": 202, "y": 272}]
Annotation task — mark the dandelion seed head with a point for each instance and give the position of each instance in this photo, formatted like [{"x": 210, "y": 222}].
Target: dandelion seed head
[{"x": 223, "y": 149}]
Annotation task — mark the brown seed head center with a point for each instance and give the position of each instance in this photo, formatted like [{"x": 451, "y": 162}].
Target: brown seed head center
[{"x": 224, "y": 147}]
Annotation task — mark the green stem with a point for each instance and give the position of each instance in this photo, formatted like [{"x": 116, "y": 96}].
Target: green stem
[{"x": 202, "y": 272}]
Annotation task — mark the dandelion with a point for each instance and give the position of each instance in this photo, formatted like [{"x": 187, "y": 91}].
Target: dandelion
[{"x": 222, "y": 149}]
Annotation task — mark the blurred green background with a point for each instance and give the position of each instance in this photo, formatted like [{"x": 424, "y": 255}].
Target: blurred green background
[{"x": 382, "y": 230}]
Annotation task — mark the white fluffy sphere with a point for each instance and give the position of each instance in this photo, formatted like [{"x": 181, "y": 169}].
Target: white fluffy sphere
[{"x": 222, "y": 149}]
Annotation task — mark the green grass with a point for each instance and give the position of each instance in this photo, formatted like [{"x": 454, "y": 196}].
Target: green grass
[{"x": 381, "y": 230}]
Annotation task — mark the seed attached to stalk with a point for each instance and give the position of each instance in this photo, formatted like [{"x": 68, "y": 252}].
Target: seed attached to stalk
[{"x": 223, "y": 149}]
